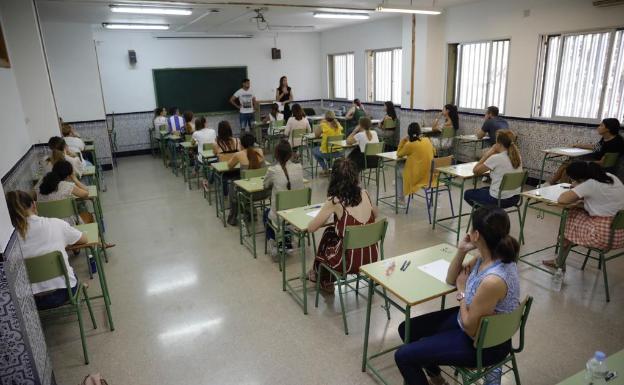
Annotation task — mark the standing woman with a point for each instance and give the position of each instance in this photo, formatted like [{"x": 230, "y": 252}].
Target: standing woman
[
  {"x": 226, "y": 144},
  {"x": 388, "y": 134},
  {"x": 284, "y": 95}
]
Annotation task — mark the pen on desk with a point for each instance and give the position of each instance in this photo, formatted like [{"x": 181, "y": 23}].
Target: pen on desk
[
  {"x": 312, "y": 207},
  {"x": 407, "y": 265},
  {"x": 403, "y": 265}
]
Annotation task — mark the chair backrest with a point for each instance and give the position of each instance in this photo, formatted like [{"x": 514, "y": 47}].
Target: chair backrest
[
  {"x": 496, "y": 329},
  {"x": 357, "y": 237},
  {"x": 513, "y": 181},
  {"x": 610, "y": 159},
  {"x": 63, "y": 208},
  {"x": 46, "y": 267},
  {"x": 290, "y": 199},
  {"x": 373, "y": 148},
  {"x": 298, "y": 133},
  {"x": 188, "y": 138},
  {"x": 255, "y": 173},
  {"x": 278, "y": 123},
  {"x": 207, "y": 146},
  {"x": 309, "y": 111},
  {"x": 163, "y": 127},
  {"x": 388, "y": 124},
  {"x": 444, "y": 161},
  {"x": 335, "y": 138}
]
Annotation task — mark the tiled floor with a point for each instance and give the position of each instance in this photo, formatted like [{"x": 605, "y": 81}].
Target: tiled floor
[{"x": 191, "y": 305}]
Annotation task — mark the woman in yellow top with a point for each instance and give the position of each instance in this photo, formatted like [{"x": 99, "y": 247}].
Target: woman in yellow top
[
  {"x": 328, "y": 127},
  {"x": 417, "y": 167}
]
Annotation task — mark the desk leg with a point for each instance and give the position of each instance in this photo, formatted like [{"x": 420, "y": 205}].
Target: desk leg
[
  {"x": 104, "y": 286},
  {"x": 396, "y": 187},
  {"x": 523, "y": 221},
  {"x": 542, "y": 169},
  {"x": 461, "y": 204},
  {"x": 303, "y": 273},
  {"x": 561, "y": 234},
  {"x": 282, "y": 255},
  {"x": 371, "y": 292},
  {"x": 435, "y": 203},
  {"x": 241, "y": 207},
  {"x": 253, "y": 224}
]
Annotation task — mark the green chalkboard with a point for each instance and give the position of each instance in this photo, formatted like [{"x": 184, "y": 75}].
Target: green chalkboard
[{"x": 197, "y": 89}]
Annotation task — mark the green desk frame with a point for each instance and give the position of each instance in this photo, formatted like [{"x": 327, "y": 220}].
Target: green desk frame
[
  {"x": 247, "y": 190},
  {"x": 389, "y": 200}
]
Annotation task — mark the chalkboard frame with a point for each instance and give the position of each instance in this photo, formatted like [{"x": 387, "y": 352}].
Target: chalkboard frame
[{"x": 208, "y": 112}]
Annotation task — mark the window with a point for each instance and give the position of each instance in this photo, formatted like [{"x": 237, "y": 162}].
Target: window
[
  {"x": 581, "y": 76},
  {"x": 479, "y": 73},
  {"x": 384, "y": 75},
  {"x": 341, "y": 76}
]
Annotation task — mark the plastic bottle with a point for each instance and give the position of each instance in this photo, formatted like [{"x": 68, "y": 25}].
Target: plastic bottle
[
  {"x": 557, "y": 280},
  {"x": 596, "y": 369},
  {"x": 92, "y": 264}
]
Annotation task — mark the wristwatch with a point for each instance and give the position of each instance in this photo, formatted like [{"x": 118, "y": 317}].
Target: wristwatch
[{"x": 460, "y": 295}]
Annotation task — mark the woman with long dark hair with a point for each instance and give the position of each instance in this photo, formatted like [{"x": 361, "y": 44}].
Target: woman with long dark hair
[
  {"x": 297, "y": 121},
  {"x": 349, "y": 205},
  {"x": 486, "y": 285},
  {"x": 451, "y": 121},
  {"x": 226, "y": 144},
  {"x": 249, "y": 157},
  {"x": 283, "y": 94},
  {"x": 602, "y": 194},
  {"x": 284, "y": 175}
]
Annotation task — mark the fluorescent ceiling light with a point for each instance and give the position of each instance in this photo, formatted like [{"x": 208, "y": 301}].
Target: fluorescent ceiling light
[
  {"x": 202, "y": 35},
  {"x": 398, "y": 9},
  {"x": 344, "y": 10},
  {"x": 291, "y": 27},
  {"x": 150, "y": 10},
  {"x": 160, "y": 27},
  {"x": 354, "y": 16}
]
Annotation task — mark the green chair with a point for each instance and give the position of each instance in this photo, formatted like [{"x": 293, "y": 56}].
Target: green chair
[
  {"x": 297, "y": 135},
  {"x": 274, "y": 132},
  {"x": 188, "y": 138},
  {"x": 617, "y": 224},
  {"x": 447, "y": 142},
  {"x": 431, "y": 188},
  {"x": 610, "y": 160},
  {"x": 253, "y": 173},
  {"x": 52, "y": 265},
  {"x": 495, "y": 330},
  {"x": 356, "y": 237},
  {"x": 511, "y": 181},
  {"x": 371, "y": 150},
  {"x": 286, "y": 200}
]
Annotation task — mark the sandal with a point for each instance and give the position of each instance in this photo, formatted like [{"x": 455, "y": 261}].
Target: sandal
[{"x": 552, "y": 263}]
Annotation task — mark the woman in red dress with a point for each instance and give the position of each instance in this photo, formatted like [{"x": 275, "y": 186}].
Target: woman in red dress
[{"x": 349, "y": 205}]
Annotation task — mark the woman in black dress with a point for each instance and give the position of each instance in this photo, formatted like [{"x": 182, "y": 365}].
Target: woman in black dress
[{"x": 284, "y": 95}]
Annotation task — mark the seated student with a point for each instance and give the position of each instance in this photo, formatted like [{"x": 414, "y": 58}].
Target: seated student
[
  {"x": 189, "y": 125},
  {"x": 59, "y": 184},
  {"x": 491, "y": 125},
  {"x": 602, "y": 195},
  {"x": 610, "y": 142},
  {"x": 416, "y": 169},
  {"x": 60, "y": 151},
  {"x": 362, "y": 135},
  {"x": 226, "y": 144},
  {"x": 353, "y": 115},
  {"x": 488, "y": 284},
  {"x": 328, "y": 127},
  {"x": 250, "y": 157},
  {"x": 282, "y": 176},
  {"x": 390, "y": 116},
  {"x": 202, "y": 134},
  {"x": 40, "y": 236},
  {"x": 175, "y": 121},
  {"x": 347, "y": 204},
  {"x": 500, "y": 159},
  {"x": 274, "y": 115},
  {"x": 160, "y": 117},
  {"x": 74, "y": 143},
  {"x": 297, "y": 121},
  {"x": 451, "y": 120}
]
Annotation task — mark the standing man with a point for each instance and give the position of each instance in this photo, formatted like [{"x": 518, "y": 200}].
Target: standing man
[
  {"x": 245, "y": 101},
  {"x": 492, "y": 123}
]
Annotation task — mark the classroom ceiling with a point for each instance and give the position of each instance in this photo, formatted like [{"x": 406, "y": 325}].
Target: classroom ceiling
[{"x": 226, "y": 16}]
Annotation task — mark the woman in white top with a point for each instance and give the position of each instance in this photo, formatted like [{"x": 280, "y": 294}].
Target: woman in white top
[
  {"x": 282, "y": 176},
  {"x": 59, "y": 184},
  {"x": 602, "y": 195},
  {"x": 75, "y": 144},
  {"x": 500, "y": 159},
  {"x": 39, "y": 236},
  {"x": 202, "y": 134},
  {"x": 160, "y": 118},
  {"x": 362, "y": 135},
  {"x": 297, "y": 121}
]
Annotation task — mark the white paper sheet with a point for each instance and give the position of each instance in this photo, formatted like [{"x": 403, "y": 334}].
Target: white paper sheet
[
  {"x": 436, "y": 269},
  {"x": 313, "y": 213}
]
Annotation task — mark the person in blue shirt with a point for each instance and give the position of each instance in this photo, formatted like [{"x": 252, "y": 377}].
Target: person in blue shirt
[
  {"x": 175, "y": 122},
  {"x": 492, "y": 123}
]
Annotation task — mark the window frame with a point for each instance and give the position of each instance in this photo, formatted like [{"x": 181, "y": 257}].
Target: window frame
[
  {"x": 457, "y": 69},
  {"x": 331, "y": 86},
  {"x": 371, "y": 96},
  {"x": 541, "y": 65}
]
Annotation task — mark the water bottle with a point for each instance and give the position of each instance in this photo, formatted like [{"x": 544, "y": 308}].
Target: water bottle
[
  {"x": 596, "y": 369},
  {"x": 557, "y": 280},
  {"x": 92, "y": 264}
]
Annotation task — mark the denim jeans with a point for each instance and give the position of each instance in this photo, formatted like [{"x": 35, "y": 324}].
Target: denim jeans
[
  {"x": 246, "y": 120},
  {"x": 54, "y": 298},
  {"x": 482, "y": 197},
  {"x": 322, "y": 158},
  {"x": 436, "y": 339}
]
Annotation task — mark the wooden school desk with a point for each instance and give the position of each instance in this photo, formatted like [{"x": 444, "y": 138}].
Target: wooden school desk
[
  {"x": 615, "y": 363},
  {"x": 558, "y": 154},
  {"x": 390, "y": 200}
]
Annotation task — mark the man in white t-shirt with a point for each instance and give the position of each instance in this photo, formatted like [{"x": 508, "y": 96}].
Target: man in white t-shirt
[{"x": 245, "y": 101}]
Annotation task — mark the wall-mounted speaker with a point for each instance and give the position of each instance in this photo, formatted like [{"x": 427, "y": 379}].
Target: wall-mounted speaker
[
  {"x": 132, "y": 57},
  {"x": 276, "y": 54}
]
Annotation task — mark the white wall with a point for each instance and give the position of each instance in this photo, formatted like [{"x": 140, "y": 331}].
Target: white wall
[
  {"x": 21, "y": 32},
  {"x": 73, "y": 69},
  {"x": 505, "y": 19},
  {"x": 358, "y": 38},
  {"x": 129, "y": 89}
]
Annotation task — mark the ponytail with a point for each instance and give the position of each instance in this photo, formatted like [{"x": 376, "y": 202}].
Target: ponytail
[
  {"x": 581, "y": 171},
  {"x": 19, "y": 203},
  {"x": 283, "y": 153},
  {"x": 506, "y": 139},
  {"x": 492, "y": 223}
]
